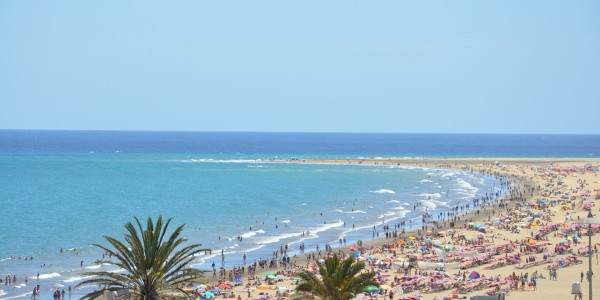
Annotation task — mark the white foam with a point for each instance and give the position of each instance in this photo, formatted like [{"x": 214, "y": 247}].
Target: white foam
[
  {"x": 434, "y": 195},
  {"x": 383, "y": 191},
  {"x": 2, "y": 293},
  {"x": 251, "y": 233},
  {"x": 356, "y": 211},
  {"x": 286, "y": 221},
  {"x": 15, "y": 296},
  {"x": 48, "y": 275},
  {"x": 387, "y": 214},
  {"x": 94, "y": 267},
  {"x": 425, "y": 180},
  {"x": 465, "y": 185},
  {"x": 393, "y": 201},
  {"x": 76, "y": 278},
  {"x": 325, "y": 227},
  {"x": 399, "y": 208},
  {"x": 304, "y": 204},
  {"x": 211, "y": 160},
  {"x": 276, "y": 238},
  {"x": 429, "y": 204}
]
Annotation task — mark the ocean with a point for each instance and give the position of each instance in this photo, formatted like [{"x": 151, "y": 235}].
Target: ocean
[{"x": 67, "y": 189}]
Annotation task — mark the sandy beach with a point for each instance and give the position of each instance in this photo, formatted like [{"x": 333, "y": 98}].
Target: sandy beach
[{"x": 504, "y": 241}]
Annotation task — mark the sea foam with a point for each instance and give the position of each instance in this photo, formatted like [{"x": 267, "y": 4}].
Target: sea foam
[
  {"x": 48, "y": 275},
  {"x": 383, "y": 191}
]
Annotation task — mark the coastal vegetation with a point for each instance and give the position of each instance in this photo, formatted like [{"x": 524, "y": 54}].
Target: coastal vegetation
[
  {"x": 336, "y": 279},
  {"x": 152, "y": 262}
]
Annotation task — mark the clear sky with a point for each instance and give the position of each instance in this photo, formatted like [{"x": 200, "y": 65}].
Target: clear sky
[{"x": 322, "y": 66}]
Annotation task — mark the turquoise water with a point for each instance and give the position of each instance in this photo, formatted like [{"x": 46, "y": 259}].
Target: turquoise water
[
  {"x": 54, "y": 201},
  {"x": 68, "y": 189}
]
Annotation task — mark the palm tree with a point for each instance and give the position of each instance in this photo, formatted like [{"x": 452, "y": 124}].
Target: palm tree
[
  {"x": 339, "y": 280},
  {"x": 152, "y": 262}
]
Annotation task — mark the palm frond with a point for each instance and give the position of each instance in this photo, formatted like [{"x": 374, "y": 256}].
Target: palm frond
[
  {"x": 337, "y": 280},
  {"x": 153, "y": 260}
]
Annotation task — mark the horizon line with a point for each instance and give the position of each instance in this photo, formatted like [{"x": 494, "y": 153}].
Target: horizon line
[{"x": 291, "y": 132}]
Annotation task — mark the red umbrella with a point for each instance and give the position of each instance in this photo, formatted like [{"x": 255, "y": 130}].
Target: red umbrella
[{"x": 224, "y": 286}]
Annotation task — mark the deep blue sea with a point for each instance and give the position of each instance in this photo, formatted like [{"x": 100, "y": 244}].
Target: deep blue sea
[{"x": 66, "y": 189}]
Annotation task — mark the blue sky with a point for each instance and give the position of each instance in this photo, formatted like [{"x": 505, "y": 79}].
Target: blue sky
[{"x": 322, "y": 66}]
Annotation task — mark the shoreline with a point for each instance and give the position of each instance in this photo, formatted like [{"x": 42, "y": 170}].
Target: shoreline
[
  {"x": 470, "y": 164},
  {"x": 489, "y": 166}
]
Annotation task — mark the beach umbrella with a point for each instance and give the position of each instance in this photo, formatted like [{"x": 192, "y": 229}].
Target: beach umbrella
[
  {"x": 264, "y": 287},
  {"x": 428, "y": 239},
  {"x": 321, "y": 260},
  {"x": 474, "y": 275},
  {"x": 224, "y": 286},
  {"x": 209, "y": 295},
  {"x": 280, "y": 277},
  {"x": 400, "y": 242},
  {"x": 412, "y": 237},
  {"x": 372, "y": 288},
  {"x": 271, "y": 277},
  {"x": 356, "y": 254},
  {"x": 385, "y": 287}
]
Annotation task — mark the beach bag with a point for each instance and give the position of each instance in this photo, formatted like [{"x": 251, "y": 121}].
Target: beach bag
[{"x": 575, "y": 288}]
